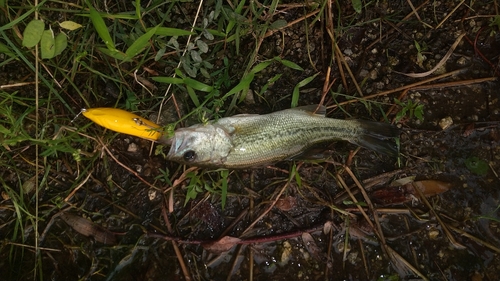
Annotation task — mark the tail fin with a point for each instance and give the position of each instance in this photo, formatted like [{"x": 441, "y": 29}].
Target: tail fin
[{"x": 378, "y": 137}]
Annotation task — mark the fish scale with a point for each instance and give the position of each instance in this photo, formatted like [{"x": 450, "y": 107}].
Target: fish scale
[{"x": 283, "y": 137}]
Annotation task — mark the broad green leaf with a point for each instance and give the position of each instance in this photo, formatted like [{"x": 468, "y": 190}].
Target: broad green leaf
[
  {"x": 202, "y": 46},
  {"x": 47, "y": 44},
  {"x": 101, "y": 28},
  {"x": 168, "y": 31},
  {"x": 186, "y": 65},
  {"x": 70, "y": 25},
  {"x": 114, "y": 54},
  {"x": 197, "y": 85},
  {"x": 168, "y": 80},
  {"x": 61, "y": 43},
  {"x": 160, "y": 53},
  {"x": 296, "y": 90},
  {"x": 204, "y": 72},
  {"x": 140, "y": 44},
  {"x": 207, "y": 34},
  {"x": 196, "y": 56},
  {"x": 33, "y": 33}
]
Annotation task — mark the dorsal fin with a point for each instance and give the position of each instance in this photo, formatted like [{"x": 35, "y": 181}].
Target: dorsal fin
[{"x": 313, "y": 109}]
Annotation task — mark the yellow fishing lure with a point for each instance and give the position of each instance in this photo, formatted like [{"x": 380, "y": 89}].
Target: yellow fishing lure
[{"x": 122, "y": 121}]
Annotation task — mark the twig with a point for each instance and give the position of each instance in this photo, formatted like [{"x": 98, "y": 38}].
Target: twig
[
  {"x": 417, "y": 15},
  {"x": 389, "y": 32},
  {"x": 438, "y": 218},
  {"x": 271, "y": 32},
  {"x": 475, "y": 239},
  {"x": 267, "y": 210},
  {"x": 78, "y": 186},
  {"x": 123, "y": 165},
  {"x": 178, "y": 253},
  {"x": 348, "y": 69},
  {"x": 439, "y": 64},
  {"x": 449, "y": 14},
  {"x": 397, "y": 89},
  {"x": 378, "y": 230}
]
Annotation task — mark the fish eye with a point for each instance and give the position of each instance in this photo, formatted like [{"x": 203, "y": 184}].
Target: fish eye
[{"x": 189, "y": 155}]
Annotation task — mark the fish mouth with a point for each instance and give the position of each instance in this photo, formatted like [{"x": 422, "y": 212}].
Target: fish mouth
[
  {"x": 178, "y": 142},
  {"x": 175, "y": 145}
]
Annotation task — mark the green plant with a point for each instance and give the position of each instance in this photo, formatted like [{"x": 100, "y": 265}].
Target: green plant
[
  {"x": 420, "y": 50},
  {"x": 215, "y": 184},
  {"x": 50, "y": 45},
  {"x": 477, "y": 166},
  {"x": 409, "y": 109}
]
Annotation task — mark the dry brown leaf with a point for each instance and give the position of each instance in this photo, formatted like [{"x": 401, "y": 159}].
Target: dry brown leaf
[
  {"x": 286, "y": 204},
  {"x": 391, "y": 195},
  {"x": 327, "y": 227},
  {"x": 407, "y": 192},
  {"x": 222, "y": 245},
  {"x": 89, "y": 229},
  {"x": 432, "y": 187}
]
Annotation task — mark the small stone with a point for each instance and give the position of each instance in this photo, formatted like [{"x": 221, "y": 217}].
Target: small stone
[
  {"x": 132, "y": 147},
  {"x": 152, "y": 194},
  {"x": 445, "y": 123},
  {"x": 462, "y": 61},
  {"x": 433, "y": 234}
]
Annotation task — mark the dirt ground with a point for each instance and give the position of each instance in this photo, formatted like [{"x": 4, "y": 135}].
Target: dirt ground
[{"x": 431, "y": 214}]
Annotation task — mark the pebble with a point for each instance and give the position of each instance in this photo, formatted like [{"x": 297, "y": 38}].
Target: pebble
[{"x": 445, "y": 122}]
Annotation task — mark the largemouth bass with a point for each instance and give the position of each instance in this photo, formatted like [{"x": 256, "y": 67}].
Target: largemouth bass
[{"x": 247, "y": 140}]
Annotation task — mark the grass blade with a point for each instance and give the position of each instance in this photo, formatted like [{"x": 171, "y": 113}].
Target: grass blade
[
  {"x": 140, "y": 44},
  {"x": 296, "y": 90},
  {"x": 101, "y": 28},
  {"x": 168, "y": 80},
  {"x": 197, "y": 85},
  {"x": 168, "y": 31}
]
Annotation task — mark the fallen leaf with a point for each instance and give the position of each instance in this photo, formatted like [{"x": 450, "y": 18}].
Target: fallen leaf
[
  {"x": 70, "y": 25},
  {"x": 286, "y": 204},
  {"x": 432, "y": 187},
  {"x": 89, "y": 229},
  {"x": 327, "y": 227},
  {"x": 406, "y": 192}
]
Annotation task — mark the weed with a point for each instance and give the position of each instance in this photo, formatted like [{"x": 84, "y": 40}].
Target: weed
[{"x": 409, "y": 109}]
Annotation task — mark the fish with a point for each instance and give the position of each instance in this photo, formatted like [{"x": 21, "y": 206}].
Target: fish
[{"x": 252, "y": 140}]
